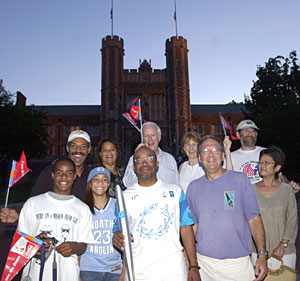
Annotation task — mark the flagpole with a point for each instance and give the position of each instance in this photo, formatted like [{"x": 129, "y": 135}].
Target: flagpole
[
  {"x": 141, "y": 120},
  {"x": 6, "y": 200},
  {"x": 224, "y": 131},
  {"x": 112, "y": 18},
  {"x": 12, "y": 172},
  {"x": 175, "y": 18}
]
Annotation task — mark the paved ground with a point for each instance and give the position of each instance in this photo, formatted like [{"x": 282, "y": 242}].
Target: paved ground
[{"x": 7, "y": 232}]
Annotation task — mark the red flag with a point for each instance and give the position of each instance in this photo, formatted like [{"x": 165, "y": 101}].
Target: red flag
[
  {"x": 22, "y": 249},
  {"x": 18, "y": 170},
  {"x": 134, "y": 110},
  {"x": 226, "y": 125}
]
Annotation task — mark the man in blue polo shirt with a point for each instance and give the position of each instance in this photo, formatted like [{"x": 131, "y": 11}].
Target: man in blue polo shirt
[{"x": 226, "y": 214}]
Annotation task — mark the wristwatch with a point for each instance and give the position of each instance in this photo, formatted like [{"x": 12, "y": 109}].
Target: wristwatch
[
  {"x": 284, "y": 244},
  {"x": 264, "y": 252}
]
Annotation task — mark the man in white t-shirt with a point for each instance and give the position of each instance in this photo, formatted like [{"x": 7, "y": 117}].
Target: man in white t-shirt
[
  {"x": 167, "y": 170},
  {"x": 158, "y": 215},
  {"x": 246, "y": 158}
]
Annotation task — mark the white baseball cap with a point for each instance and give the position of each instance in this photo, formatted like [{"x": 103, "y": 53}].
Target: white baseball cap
[{"x": 79, "y": 134}]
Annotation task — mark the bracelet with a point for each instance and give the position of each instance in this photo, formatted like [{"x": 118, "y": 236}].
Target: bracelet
[{"x": 194, "y": 266}]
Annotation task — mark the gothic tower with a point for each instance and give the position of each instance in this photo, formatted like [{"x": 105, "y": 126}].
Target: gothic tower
[
  {"x": 112, "y": 94},
  {"x": 178, "y": 91}
]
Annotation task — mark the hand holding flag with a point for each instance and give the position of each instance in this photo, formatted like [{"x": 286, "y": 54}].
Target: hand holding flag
[
  {"x": 18, "y": 171},
  {"x": 225, "y": 125}
]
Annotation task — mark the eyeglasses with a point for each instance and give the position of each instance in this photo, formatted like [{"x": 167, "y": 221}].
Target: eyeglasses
[
  {"x": 148, "y": 159},
  {"x": 213, "y": 150},
  {"x": 74, "y": 146},
  {"x": 267, "y": 163}
]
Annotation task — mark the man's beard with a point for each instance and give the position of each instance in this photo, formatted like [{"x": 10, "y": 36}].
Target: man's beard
[
  {"x": 249, "y": 141},
  {"x": 147, "y": 177}
]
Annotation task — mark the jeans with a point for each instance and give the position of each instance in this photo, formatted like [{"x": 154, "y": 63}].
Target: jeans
[{"x": 99, "y": 276}]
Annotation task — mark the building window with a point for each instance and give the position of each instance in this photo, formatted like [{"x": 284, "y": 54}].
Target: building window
[
  {"x": 217, "y": 129},
  {"x": 157, "y": 105},
  {"x": 70, "y": 129},
  {"x": 51, "y": 131},
  {"x": 181, "y": 112},
  {"x": 93, "y": 131},
  {"x": 199, "y": 129}
]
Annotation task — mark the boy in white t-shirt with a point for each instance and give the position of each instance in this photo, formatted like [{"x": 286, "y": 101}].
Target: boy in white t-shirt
[{"x": 60, "y": 215}]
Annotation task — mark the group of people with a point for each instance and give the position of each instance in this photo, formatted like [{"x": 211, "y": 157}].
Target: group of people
[{"x": 193, "y": 224}]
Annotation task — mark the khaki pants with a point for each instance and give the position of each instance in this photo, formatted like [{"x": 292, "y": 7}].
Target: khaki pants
[{"x": 237, "y": 269}]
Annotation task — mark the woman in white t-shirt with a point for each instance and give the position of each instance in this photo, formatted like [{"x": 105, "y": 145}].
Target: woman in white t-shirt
[{"x": 190, "y": 169}]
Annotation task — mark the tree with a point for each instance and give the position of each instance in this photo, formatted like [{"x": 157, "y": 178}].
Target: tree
[
  {"x": 22, "y": 127},
  {"x": 274, "y": 104}
]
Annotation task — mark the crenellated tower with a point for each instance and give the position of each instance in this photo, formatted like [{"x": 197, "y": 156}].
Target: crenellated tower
[
  {"x": 178, "y": 90},
  {"x": 112, "y": 93}
]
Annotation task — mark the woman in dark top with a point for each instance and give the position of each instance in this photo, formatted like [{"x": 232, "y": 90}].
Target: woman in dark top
[{"x": 108, "y": 154}]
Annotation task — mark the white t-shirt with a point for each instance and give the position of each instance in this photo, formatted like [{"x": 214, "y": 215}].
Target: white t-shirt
[
  {"x": 66, "y": 220},
  {"x": 189, "y": 173},
  {"x": 154, "y": 216},
  {"x": 167, "y": 170},
  {"x": 246, "y": 161}
]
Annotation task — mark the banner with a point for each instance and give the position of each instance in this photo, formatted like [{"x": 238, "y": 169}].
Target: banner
[{"x": 22, "y": 249}]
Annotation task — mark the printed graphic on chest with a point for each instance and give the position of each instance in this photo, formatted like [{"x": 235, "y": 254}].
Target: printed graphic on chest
[
  {"x": 229, "y": 200},
  {"x": 155, "y": 221}
]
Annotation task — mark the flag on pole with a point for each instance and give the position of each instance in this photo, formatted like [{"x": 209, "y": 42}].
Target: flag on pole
[
  {"x": 22, "y": 249},
  {"x": 111, "y": 13},
  {"x": 225, "y": 125},
  {"x": 18, "y": 170},
  {"x": 134, "y": 110}
]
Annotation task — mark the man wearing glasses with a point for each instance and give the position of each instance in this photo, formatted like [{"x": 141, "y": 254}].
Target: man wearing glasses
[
  {"x": 78, "y": 148},
  {"x": 226, "y": 214},
  {"x": 157, "y": 216}
]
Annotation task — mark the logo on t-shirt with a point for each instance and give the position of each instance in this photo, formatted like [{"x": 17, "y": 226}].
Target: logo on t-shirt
[
  {"x": 171, "y": 193},
  {"x": 250, "y": 169},
  {"x": 229, "y": 200}
]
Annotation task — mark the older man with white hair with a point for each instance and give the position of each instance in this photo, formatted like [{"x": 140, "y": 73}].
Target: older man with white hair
[{"x": 167, "y": 170}]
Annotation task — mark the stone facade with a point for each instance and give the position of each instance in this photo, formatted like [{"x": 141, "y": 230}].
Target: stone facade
[{"x": 165, "y": 97}]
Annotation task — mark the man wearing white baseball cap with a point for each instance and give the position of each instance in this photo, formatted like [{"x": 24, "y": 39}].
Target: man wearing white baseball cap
[
  {"x": 246, "y": 158},
  {"x": 78, "y": 148}
]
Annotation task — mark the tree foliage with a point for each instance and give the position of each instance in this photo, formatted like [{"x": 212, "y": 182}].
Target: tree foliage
[
  {"x": 23, "y": 128},
  {"x": 274, "y": 104}
]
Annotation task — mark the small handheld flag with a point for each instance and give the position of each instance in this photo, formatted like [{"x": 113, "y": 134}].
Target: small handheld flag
[
  {"x": 225, "y": 125},
  {"x": 135, "y": 115},
  {"x": 18, "y": 171}
]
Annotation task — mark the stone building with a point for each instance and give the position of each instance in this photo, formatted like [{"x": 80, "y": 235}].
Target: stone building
[{"x": 165, "y": 96}]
